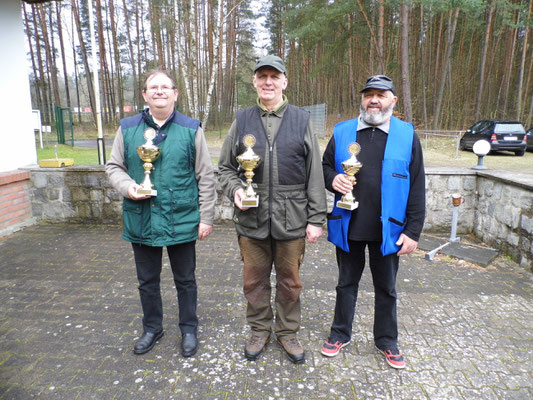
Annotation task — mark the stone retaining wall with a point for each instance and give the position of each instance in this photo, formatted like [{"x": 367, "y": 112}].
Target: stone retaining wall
[{"x": 498, "y": 206}]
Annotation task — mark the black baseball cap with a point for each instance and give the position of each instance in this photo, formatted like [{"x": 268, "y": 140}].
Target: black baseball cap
[
  {"x": 382, "y": 82},
  {"x": 271, "y": 61}
]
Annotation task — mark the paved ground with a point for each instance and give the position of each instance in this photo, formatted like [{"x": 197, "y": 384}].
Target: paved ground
[{"x": 70, "y": 314}]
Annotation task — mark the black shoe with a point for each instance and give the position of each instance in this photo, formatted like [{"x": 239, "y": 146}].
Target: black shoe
[
  {"x": 189, "y": 344},
  {"x": 147, "y": 341}
]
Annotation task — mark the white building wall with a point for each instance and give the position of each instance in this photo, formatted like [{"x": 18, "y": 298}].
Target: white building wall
[{"x": 17, "y": 140}]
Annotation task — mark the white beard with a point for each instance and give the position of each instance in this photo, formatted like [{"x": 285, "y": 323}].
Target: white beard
[{"x": 376, "y": 119}]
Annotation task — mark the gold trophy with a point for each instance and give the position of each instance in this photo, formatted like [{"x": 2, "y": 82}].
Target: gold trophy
[
  {"x": 148, "y": 152},
  {"x": 351, "y": 167},
  {"x": 249, "y": 161}
]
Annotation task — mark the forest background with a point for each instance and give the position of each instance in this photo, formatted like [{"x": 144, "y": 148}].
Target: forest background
[{"x": 453, "y": 62}]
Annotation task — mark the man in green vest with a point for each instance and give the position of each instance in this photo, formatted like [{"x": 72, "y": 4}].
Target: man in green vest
[
  {"x": 181, "y": 211},
  {"x": 389, "y": 218},
  {"x": 292, "y": 206}
]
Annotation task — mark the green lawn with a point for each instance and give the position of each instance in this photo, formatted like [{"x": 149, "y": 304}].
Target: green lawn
[{"x": 81, "y": 155}]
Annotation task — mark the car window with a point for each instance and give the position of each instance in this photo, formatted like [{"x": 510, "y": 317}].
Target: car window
[
  {"x": 483, "y": 125},
  {"x": 505, "y": 128},
  {"x": 476, "y": 126}
]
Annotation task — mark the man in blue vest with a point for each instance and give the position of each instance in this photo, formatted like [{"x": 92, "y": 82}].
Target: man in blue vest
[
  {"x": 292, "y": 206},
  {"x": 181, "y": 212},
  {"x": 390, "y": 189}
]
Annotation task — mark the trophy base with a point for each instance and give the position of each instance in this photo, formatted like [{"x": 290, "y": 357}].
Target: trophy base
[
  {"x": 346, "y": 205},
  {"x": 148, "y": 192},
  {"x": 251, "y": 202}
]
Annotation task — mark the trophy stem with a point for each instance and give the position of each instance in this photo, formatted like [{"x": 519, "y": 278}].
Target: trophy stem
[
  {"x": 348, "y": 201},
  {"x": 248, "y": 161},
  {"x": 251, "y": 199},
  {"x": 146, "y": 185}
]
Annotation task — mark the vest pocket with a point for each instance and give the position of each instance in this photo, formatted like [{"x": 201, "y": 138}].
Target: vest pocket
[
  {"x": 182, "y": 209},
  {"x": 246, "y": 218},
  {"x": 396, "y": 222},
  {"x": 391, "y": 233},
  {"x": 295, "y": 213},
  {"x": 132, "y": 218}
]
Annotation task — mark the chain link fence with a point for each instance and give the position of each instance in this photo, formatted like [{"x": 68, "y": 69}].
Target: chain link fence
[
  {"x": 318, "y": 118},
  {"x": 426, "y": 135}
]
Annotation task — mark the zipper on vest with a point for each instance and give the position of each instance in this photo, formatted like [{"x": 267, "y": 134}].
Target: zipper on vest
[{"x": 270, "y": 184}]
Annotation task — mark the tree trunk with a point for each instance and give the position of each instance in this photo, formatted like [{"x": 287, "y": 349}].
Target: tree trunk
[
  {"x": 118, "y": 66},
  {"x": 523, "y": 64},
  {"x": 182, "y": 55},
  {"x": 214, "y": 65},
  {"x": 381, "y": 24},
  {"x": 422, "y": 42},
  {"x": 39, "y": 104},
  {"x": 84, "y": 58},
  {"x": 483, "y": 62},
  {"x": 49, "y": 56},
  {"x": 511, "y": 46},
  {"x": 452, "y": 25},
  {"x": 369, "y": 25},
  {"x": 75, "y": 61},
  {"x": 62, "y": 45},
  {"x": 42, "y": 84},
  {"x": 104, "y": 71},
  {"x": 406, "y": 81},
  {"x": 138, "y": 94},
  {"x": 351, "y": 81}
]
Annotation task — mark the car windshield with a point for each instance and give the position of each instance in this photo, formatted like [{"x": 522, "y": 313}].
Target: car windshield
[{"x": 505, "y": 128}]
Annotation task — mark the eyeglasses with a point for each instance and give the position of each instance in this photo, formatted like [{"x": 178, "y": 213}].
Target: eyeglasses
[
  {"x": 155, "y": 89},
  {"x": 378, "y": 78}
]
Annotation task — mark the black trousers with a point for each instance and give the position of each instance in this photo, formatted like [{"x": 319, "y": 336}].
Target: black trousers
[
  {"x": 148, "y": 261},
  {"x": 384, "y": 270}
]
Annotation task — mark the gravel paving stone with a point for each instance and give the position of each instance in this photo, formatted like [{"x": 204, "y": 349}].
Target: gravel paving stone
[{"x": 71, "y": 314}]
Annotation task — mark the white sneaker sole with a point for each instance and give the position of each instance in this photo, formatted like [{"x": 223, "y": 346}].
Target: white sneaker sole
[
  {"x": 388, "y": 362},
  {"x": 337, "y": 352}
]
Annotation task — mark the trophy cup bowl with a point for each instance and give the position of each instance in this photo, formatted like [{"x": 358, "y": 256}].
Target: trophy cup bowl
[
  {"x": 249, "y": 161},
  {"x": 148, "y": 153},
  {"x": 351, "y": 166}
]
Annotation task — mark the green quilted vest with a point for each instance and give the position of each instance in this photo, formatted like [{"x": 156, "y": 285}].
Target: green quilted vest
[{"x": 172, "y": 216}]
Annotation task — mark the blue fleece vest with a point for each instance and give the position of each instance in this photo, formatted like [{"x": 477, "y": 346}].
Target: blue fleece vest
[{"x": 395, "y": 183}]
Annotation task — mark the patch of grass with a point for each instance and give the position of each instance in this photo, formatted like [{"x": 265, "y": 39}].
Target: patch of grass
[
  {"x": 441, "y": 151},
  {"x": 81, "y": 155}
]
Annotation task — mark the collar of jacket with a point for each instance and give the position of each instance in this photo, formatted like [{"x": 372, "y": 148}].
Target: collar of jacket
[
  {"x": 385, "y": 127},
  {"x": 278, "y": 112},
  {"x": 147, "y": 117}
]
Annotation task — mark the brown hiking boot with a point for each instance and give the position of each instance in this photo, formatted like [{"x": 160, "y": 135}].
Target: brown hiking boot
[
  {"x": 293, "y": 348},
  {"x": 254, "y": 346}
]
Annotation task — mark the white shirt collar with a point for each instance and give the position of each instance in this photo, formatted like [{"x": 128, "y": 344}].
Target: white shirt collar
[{"x": 363, "y": 125}]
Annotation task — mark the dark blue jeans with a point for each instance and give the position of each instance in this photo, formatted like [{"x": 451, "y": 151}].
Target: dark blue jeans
[
  {"x": 384, "y": 271},
  {"x": 148, "y": 261}
]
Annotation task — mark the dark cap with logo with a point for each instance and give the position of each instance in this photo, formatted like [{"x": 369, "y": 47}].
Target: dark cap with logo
[
  {"x": 271, "y": 61},
  {"x": 382, "y": 82}
]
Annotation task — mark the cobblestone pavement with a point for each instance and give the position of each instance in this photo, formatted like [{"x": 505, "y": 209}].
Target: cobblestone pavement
[{"x": 70, "y": 315}]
